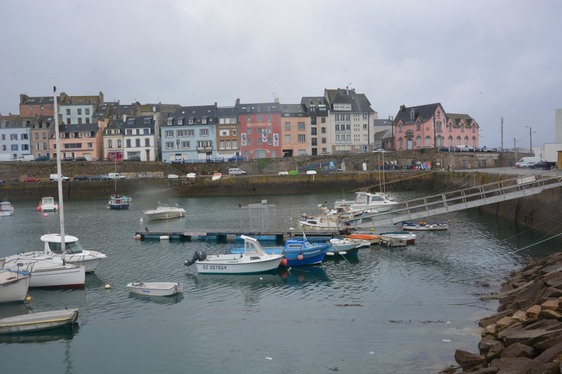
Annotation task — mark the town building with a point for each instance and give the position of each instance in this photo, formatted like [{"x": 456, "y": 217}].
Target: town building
[
  {"x": 260, "y": 130},
  {"x": 317, "y": 112},
  {"x": 295, "y": 131}
]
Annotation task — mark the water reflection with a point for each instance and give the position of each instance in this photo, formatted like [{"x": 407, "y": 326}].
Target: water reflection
[
  {"x": 163, "y": 300},
  {"x": 65, "y": 333}
]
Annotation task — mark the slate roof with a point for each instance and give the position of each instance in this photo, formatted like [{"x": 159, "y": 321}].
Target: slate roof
[
  {"x": 195, "y": 114},
  {"x": 359, "y": 102},
  {"x": 292, "y": 110},
  {"x": 422, "y": 112}
]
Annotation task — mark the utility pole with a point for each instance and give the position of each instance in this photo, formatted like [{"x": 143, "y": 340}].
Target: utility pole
[{"x": 502, "y": 133}]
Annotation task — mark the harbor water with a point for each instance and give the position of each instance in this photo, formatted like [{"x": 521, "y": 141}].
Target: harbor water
[{"x": 389, "y": 310}]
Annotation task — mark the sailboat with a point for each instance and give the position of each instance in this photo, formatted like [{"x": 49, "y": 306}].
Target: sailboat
[{"x": 48, "y": 270}]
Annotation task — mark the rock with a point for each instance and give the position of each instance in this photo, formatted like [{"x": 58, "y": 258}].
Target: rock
[
  {"x": 549, "y": 368},
  {"x": 549, "y": 355},
  {"x": 493, "y": 319},
  {"x": 467, "y": 360},
  {"x": 487, "y": 345},
  {"x": 533, "y": 312},
  {"x": 505, "y": 322},
  {"x": 518, "y": 350},
  {"x": 550, "y": 304},
  {"x": 550, "y": 314},
  {"x": 514, "y": 365},
  {"x": 520, "y": 316}
]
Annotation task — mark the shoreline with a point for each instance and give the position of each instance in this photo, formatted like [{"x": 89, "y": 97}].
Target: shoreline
[{"x": 525, "y": 335}]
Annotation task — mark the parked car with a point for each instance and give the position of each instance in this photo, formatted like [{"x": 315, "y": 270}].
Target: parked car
[
  {"x": 55, "y": 177},
  {"x": 80, "y": 159},
  {"x": 545, "y": 165},
  {"x": 31, "y": 180},
  {"x": 236, "y": 171},
  {"x": 81, "y": 178},
  {"x": 379, "y": 150},
  {"x": 283, "y": 173},
  {"x": 236, "y": 159},
  {"x": 311, "y": 172},
  {"x": 177, "y": 161}
]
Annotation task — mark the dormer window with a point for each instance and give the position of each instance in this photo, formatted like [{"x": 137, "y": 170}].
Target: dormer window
[
  {"x": 170, "y": 121},
  {"x": 180, "y": 121},
  {"x": 412, "y": 114},
  {"x": 191, "y": 120}
]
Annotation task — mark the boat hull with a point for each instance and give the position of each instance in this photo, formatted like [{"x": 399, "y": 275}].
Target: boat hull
[
  {"x": 236, "y": 264},
  {"x": 62, "y": 277},
  {"x": 155, "y": 288},
  {"x": 39, "y": 321},
  {"x": 13, "y": 286},
  {"x": 440, "y": 226},
  {"x": 153, "y": 216}
]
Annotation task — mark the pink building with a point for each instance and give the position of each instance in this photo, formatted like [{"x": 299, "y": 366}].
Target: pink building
[{"x": 429, "y": 126}]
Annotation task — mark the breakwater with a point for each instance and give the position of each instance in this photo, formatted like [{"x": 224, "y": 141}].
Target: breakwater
[{"x": 525, "y": 335}]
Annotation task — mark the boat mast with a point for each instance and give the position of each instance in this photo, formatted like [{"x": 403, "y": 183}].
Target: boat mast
[{"x": 59, "y": 173}]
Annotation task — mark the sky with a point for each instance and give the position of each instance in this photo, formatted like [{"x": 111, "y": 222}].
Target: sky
[{"x": 490, "y": 59}]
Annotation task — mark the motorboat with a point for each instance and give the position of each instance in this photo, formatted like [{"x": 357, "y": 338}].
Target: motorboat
[
  {"x": 377, "y": 202},
  {"x": 216, "y": 176},
  {"x": 39, "y": 321},
  {"x": 47, "y": 204},
  {"x": 13, "y": 285},
  {"x": 343, "y": 246},
  {"x": 6, "y": 209},
  {"x": 253, "y": 259},
  {"x": 155, "y": 288},
  {"x": 397, "y": 238},
  {"x": 74, "y": 253},
  {"x": 165, "y": 211},
  {"x": 320, "y": 224},
  {"x": 119, "y": 202},
  {"x": 371, "y": 238},
  {"x": 425, "y": 226},
  {"x": 297, "y": 251},
  {"x": 47, "y": 271}
]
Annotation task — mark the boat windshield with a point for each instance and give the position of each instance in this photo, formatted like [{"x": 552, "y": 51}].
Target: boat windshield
[{"x": 72, "y": 247}]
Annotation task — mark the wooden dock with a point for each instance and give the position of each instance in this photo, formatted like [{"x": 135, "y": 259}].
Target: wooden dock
[{"x": 225, "y": 236}]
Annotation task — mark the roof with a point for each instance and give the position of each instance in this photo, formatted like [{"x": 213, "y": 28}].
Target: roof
[
  {"x": 421, "y": 112},
  {"x": 292, "y": 110},
  {"x": 359, "y": 102}
]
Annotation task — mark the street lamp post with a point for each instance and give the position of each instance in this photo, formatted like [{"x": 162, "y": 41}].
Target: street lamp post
[{"x": 530, "y": 138}]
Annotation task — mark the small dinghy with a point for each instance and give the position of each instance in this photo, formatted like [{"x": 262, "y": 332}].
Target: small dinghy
[{"x": 155, "y": 288}]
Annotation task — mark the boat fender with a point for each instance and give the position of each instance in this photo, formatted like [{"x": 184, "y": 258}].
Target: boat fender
[{"x": 199, "y": 255}]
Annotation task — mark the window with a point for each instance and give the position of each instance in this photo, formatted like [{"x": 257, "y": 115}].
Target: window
[
  {"x": 300, "y": 126},
  {"x": 87, "y": 111},
  {"x": 128, "y": 142},
  {"x": 169, "y": 145},
  {"x": 203, "y": 132},
  {"x": 147, "y": 142},
  {"x": 287, "y": 139},
  {"x": 301, "y": 138},
  {"x": 313, "y": 131},
  {"x": 79, "y": 111},
  {"x": 109, "y": 143},
  {"x": 169, "y": 133},
  {"x": 68, "y": 112},
  {"x": 287, "y": 126},
  {"x": 137, "y": 142}
]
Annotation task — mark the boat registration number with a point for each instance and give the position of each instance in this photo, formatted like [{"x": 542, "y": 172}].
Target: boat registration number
[{"x": 214, "y": 267}]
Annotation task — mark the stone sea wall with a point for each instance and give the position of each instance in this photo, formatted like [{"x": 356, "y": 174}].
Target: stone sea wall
[{"x": 525, "y": 335}]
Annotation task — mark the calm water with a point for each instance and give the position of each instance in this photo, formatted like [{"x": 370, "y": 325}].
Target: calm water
[{"x": 388, "y": 311}]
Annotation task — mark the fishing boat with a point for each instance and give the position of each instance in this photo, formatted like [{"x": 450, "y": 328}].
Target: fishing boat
[
  {"x": 119, "y": 202},
  {"x": 6, "y": 209},
  {"x": 253, "y": 259},
  {"x": 47, "y": 204},
  {"x": 164, "y": 211},
  {"x": 13, "y": 285},
  {"x": 297, "y": 252},
  {"x": 425, "y": 226},
  {"x": 155, "y": 288},
  {"x": 371, "y": 238},
  {"x": 39, "y": 321},
  {"x": 397, "y": 238}
]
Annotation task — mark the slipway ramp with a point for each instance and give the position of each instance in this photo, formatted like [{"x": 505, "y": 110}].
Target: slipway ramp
[{"x": 466, "y": 198}]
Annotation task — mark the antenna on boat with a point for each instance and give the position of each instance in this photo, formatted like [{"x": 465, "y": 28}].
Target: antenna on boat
[{"x": 59, "y": 173}]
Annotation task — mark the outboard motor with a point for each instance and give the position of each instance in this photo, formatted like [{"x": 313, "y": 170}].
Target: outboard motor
[{"x": 198, "y": 255}]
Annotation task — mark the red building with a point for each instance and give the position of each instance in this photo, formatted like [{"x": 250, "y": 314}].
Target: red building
[{"x": 260, "y": 130}]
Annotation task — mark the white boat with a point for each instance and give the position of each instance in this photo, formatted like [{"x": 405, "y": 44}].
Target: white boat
[
  {"x": 13, "y": 285},
  {"x": 253, "y": 259},
  {"x": 378, "y": 201},
  {"x": 47, "y": 204},
  {"x": 397, "y": 238},
  {"x": 425, "y": 226},
  {"x": 216, "y": 176},
  {"x": 47, "y": 271},
  {"x": 319, "y": 224},
  {"x": 165, "y": 211},
  {"x": 74, "y": 252},
  {"x": 346, "y": 246},
  {"x": 155, "y": 288},
  {"x": 6, "y": 208},
  {"x": 39, "y": 321},
  {"x": 191, "y": 175}
]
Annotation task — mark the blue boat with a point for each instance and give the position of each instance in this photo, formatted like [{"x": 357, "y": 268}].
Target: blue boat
[{"x": 297, "y": 251}]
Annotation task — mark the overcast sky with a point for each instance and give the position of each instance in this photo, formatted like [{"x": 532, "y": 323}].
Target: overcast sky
[{"x": 485, "y": 58}]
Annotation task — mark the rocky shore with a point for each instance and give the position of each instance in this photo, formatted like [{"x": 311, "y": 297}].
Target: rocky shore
[{"x": 525, "y": 335}]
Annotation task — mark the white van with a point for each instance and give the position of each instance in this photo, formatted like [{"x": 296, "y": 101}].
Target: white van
[
  {"x": 236, "y": 171},
  {"x": 115, "y": 176},
  {"x": 55, "y": 177},
  {"x": 527, "y": 162}
]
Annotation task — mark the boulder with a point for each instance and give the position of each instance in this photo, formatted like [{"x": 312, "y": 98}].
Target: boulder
[
  {"x": 468, "y": 360},
  {"x": 533, "y": 312},
  {"x": 551, "y": 304},
  {"x": 518, "y": 350}
]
